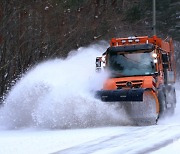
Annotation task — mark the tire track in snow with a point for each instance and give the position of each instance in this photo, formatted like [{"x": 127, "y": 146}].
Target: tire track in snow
[
  {"x": 159, "y": 145},
  {"x": 140, "y": 140}
]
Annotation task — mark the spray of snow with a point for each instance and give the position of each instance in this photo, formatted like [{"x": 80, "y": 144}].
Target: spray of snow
[{"x": 59, "y": 94}]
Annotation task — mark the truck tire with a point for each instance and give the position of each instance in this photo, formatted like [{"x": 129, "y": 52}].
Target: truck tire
[
  {"x": 162, "y": 102},
  {"x": 170, "y": 99}
]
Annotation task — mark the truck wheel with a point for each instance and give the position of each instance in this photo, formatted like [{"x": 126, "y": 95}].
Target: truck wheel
[
  {"x": 162, "y": 103},
  {"x": 170, "y": 99}
]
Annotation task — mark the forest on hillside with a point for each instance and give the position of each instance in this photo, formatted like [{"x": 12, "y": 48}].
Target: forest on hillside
[{"x": 35, "y": 30}]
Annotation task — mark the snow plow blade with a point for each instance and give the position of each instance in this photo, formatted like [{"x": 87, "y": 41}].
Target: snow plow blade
[
  {"x": 120, "y": 95},
  {"x": 140, "y": 105}
]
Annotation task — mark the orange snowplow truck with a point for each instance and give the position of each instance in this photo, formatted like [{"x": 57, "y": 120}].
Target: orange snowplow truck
[{"x": 142, "y": 75}]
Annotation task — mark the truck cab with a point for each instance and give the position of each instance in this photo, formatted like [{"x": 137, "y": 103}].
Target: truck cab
[{"x": 138, "y": 67}]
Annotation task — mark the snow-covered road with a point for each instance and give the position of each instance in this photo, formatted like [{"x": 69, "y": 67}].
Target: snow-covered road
[
  {"x": 131, "y": 140},
  {"x": 51, "y": 110},
  {"x": 121, "y": 139}
]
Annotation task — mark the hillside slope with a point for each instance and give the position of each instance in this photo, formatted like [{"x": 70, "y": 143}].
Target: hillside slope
[{"x": 33, "y": 31}]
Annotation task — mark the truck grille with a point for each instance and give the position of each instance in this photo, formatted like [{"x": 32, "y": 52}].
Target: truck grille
[{"x": 129, "y": 84}]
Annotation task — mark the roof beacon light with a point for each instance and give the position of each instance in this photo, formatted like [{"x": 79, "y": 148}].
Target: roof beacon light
[
  {"x": 131, "y": 37},
  {"x": 130, "y": 41},
  {"x": 136, "y": 40},
  {"x": 123, "y": 41}
]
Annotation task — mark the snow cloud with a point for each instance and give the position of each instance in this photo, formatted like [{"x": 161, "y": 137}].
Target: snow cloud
[{"x": 59, "y": 94}]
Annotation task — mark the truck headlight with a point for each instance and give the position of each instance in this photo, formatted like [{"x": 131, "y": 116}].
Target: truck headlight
[{"x": 154, "y": 55}]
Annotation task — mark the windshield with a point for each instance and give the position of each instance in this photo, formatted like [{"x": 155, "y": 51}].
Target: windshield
[{"x": 131, "y": 64}]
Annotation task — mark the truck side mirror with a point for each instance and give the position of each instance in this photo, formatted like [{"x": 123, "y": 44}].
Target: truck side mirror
[{"x": 98, "y": 63}]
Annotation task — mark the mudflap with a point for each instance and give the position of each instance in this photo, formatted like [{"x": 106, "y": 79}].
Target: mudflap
[{"x": 139, "y": 104}]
